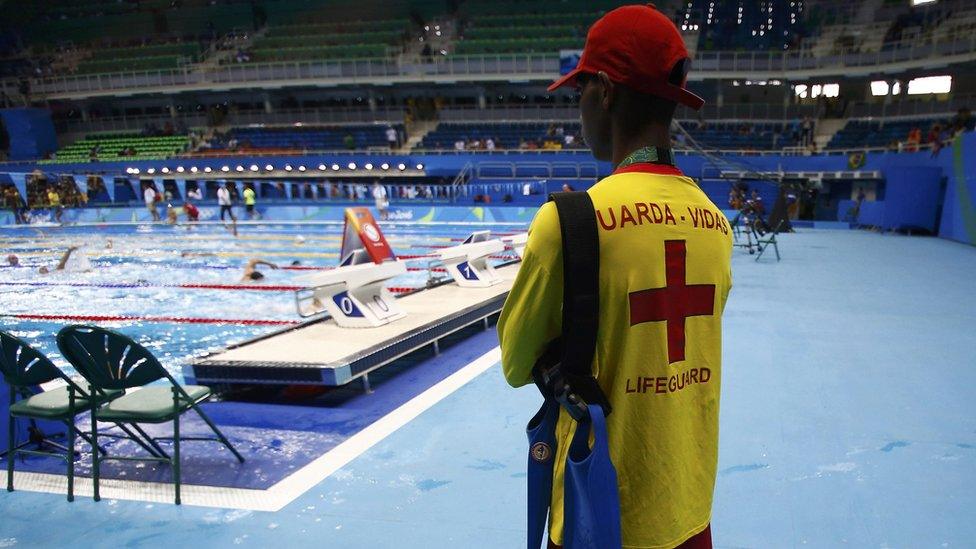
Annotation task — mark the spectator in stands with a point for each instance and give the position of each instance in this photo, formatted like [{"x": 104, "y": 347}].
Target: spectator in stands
[
  {"x": 149, "y": 194},
  {"x": 459, "y": 145},
  {"x": 392, "y": 137},
  {"x": 349, "y": 141},
  {"x": 567, "y": 188},
  {"x": 489, "y": 144},
  {"x": 914, "y": 139},
  {"x": 226, "y": 202},
  {"x": 381, "y": 200},
  {"x": 250, "y": 200},
  {"x": 935, "y": 139},
  {"x": 806, "y": 131}
]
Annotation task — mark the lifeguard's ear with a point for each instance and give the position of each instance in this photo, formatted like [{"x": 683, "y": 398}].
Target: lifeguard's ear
[{"x": 607, "y": 86}]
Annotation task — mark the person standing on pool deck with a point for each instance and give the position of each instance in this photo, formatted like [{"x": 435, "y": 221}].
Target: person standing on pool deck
[
  {"x": 54, "y": 200},
  {"x": 149, "y": 195},
  {"x": 381, "y": 200},
  {"x": 225, "y": 202},
  {"x": 665, "y": 255},
  {"x": 250, "y": 201}
]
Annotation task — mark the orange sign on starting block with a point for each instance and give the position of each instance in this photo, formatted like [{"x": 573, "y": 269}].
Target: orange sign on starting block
[{"x": 362, "y": 232}]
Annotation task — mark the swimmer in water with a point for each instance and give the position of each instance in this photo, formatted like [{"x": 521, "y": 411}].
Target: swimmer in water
[
  {"x": 197, "y": 254},
  {"x": 251, "y": 274},
  {"x": 13, "y": 260},
  {"x": 61, "y": 263}
]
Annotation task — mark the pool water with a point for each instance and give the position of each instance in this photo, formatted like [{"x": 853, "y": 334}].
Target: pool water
[{"x": 158, "y": 272}]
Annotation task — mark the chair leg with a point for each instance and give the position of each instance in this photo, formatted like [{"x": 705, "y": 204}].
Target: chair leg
[
  {"x": 10, "y": 452},
  {"x": 96, "y": 460},
  {"x": 87, "y": 439},
  {"x": 71, "y": 460},
  {"x": 220, "y": 435},
  {"x": 146, "y": 442},
  {"x": 176, "y": 456}
]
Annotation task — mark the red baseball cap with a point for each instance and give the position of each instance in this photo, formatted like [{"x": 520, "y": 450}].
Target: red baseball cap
[{"x": 639, "y": 47}]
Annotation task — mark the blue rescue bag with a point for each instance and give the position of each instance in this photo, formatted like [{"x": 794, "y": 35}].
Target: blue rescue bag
[{"x": 591, "y": 499}]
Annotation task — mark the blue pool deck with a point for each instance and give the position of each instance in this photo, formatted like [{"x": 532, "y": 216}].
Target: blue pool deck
[{"x": 848, "y": 420}]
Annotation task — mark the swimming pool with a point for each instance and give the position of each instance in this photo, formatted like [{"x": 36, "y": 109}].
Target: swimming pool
[{"x": 179, "y": 287}]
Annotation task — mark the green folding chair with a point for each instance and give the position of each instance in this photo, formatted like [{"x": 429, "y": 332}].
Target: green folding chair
[
  {"x": 24, "y": 368},
  {"x": 111, "y": 361}
]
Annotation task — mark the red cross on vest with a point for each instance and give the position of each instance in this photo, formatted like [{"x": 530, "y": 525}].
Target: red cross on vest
[{"x": 673, "y": 303}]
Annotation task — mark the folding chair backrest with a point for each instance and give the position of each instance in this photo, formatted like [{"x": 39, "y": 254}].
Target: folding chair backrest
[
  {"x": 23, "y": 365},
  {"x": 108, "y": 359}
]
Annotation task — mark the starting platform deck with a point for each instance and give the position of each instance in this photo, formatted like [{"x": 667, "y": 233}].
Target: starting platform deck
[{"x": 320, "y": 352}]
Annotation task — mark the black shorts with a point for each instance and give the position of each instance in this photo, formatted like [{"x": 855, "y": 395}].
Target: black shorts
[{"x": 249, "y": 208}]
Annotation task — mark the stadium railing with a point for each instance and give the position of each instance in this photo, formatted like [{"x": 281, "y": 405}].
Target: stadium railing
[
  {"x": 707, "y": 64},
  {"x": 331, "y": 115}
]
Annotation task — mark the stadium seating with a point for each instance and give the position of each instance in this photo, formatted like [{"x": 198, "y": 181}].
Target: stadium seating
[
  {"x": 863, "y": 133},
  {"x": 310, "y": 41},
  {"x": 111, "y": 145},
  {"x": 159, "y": 56},
  {"x": 739, "y": 135},
  {"x": 305, "y": 138},
  {"x": 507, "y": 135}
]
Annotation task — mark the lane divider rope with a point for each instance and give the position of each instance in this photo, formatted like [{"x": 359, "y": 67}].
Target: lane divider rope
[
  {"x": 248, "y": 287},
  {"x": 165, "y": 319}
]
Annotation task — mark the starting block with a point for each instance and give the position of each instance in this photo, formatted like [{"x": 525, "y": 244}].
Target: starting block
[
  {"x": 354, "y": 293},
  {"x": 468, "y": 262},
  {"x": 517, "y": 243}
]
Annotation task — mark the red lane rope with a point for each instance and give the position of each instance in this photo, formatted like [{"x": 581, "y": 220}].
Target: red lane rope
[
  {"x": 401, "y": 289},
  {"x": 257, "y": 287},
  {"x": 167, "y": 319}
]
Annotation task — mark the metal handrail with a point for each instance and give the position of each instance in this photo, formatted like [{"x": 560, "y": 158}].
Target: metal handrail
[{"x": 528, "y": 64}]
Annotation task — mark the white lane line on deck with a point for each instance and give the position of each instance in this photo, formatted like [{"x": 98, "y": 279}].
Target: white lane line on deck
[
  {"x": 293, "y": 486},
  {"x": 286, "y": 490}
]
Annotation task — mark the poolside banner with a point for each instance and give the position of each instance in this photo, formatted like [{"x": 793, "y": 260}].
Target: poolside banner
[
  {"x": 181, "y": 187},
  {"x": 20, "y": 181},
  {"x": 81, "y": 181},
  {"x": 287, "y": 185},
  {"x": 158, "y": 183}
]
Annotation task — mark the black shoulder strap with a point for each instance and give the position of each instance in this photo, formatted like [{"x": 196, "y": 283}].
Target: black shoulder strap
[
  {"x": 581, "y": 279},
  {"x": 571, "y": 380}
]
